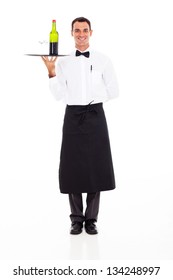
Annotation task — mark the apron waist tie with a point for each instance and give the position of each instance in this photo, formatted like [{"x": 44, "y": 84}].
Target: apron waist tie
[{"x": 83, "y": 113}]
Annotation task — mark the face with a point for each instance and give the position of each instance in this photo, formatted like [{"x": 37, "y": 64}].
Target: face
[{"x": 81, "y": 34}]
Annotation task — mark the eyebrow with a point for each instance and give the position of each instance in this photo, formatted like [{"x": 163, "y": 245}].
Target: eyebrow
[{"x": 77, "y": 29}]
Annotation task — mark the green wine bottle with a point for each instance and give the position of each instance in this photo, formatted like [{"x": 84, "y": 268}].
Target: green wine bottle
[{"x": 53, "y": 39}]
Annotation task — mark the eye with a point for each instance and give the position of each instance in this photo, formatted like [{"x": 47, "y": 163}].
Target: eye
[{"x": 76, "y": 30}]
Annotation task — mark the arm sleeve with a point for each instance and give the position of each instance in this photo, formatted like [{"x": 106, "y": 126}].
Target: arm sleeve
[
  {"x": 110, "y": 80},
  {"x": 58, "y": 85}
]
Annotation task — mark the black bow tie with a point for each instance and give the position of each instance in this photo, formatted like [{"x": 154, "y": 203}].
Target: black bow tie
[{"x": 86, "y": 54}]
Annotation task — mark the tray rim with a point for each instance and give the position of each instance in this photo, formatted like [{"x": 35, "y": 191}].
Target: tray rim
[{"x": 32, "y": 54}]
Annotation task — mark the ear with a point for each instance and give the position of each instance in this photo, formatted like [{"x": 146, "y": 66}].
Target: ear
[
  {"x": 91, "y": 32},
  {"x": 71, "y": 32}
]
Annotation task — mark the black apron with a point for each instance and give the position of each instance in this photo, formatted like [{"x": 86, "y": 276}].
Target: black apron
[{"x": 85, "y": 159}]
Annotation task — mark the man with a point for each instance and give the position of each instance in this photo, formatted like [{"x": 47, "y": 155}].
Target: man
[{"x": 84, "y": 80}]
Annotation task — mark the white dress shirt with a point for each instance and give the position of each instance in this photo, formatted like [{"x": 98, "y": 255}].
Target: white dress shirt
[{"x": 80, "y": 80}]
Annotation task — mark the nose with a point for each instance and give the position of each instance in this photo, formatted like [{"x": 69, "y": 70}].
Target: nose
[{"x": 82, "y": 33}]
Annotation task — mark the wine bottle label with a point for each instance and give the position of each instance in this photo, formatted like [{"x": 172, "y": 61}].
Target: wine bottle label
[{"x": 53, "y": 48}]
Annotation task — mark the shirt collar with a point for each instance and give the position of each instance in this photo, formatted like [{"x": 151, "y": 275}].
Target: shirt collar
[{"x": 88, "y": 49}]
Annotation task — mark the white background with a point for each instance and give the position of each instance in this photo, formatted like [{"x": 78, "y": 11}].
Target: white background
[{"x": 135, "y": 220}]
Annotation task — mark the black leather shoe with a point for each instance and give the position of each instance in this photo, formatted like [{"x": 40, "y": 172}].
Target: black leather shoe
[
  {"x": 76, "y": 228},
  {"x": 90, "y": 227}
]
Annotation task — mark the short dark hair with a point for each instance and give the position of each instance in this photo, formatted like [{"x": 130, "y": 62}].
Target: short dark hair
[{"x": 81, "y": 19}]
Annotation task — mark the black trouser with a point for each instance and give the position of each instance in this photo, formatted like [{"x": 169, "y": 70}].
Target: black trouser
[{"x": 76, "y": 206}]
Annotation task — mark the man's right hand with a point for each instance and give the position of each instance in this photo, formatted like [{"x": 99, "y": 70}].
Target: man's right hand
[{"x": 50, "y": 65}]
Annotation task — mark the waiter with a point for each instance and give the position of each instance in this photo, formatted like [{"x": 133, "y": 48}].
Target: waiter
[{"x": 84, "y": 80}]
